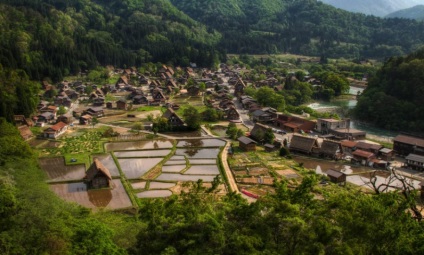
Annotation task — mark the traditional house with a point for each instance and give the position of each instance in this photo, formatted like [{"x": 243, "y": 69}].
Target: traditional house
[
  {"x": 415, "y": 161},
  {"x": 95, "y": 111},
  {"x": 407, "y": 144},
  {"x": 348, "y": 146},
  {"x": 45, "y": 117},
  {"x": 85, "y": 119},
  {"x": 193, "y": 90},
  {"x": 99, "y": 101},
  {"x": 246, "y": 144},
  {"x": 98, "y": 176},
  {"x": 261, "y": 116},
  {"x": 270, "y": 147},
  {"x": 336, "y": 176},
  {"x": 21, "y": 120},
  {"x": 258, "y": 132},
  {"x": 55, "y": 130},
  {"x": 239, "y": 87},
  {"x": 158, "y": 96},
  {"x": 122, "y": 82},
  {"x": 364, "y": 157},
  {"x": 121, "y": 104},
  {"x": 304, "y": 144},
  {"x": 140, "y": 100},
  {"x": 294, "y": 124},
  {"x": 232, "y": 114},
  {"x": 371, "y": 147},
  {"x": 331, "y": 149},
  {"x": 386, "y": 154},
  {"x": 25, "y": 132},
  {"x": 348, "y": 133},
  {"x": 325, "y": 125},
  {"x": 109, "y": 105},
  {"x": 65, "y": 118},
  {"x": 173, "y": 119}
]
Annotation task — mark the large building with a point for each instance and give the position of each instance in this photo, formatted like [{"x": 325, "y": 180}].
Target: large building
[
  {"x": 325, "y": 125},
  {"x": 406, "y": 144}
]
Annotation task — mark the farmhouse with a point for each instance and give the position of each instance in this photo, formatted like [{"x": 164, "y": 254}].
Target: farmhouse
[
  {"x": 331, "y": 149},
  {"x": 364, "y": 157},
  {"x": 415, "y": 161},
  {"x": 294, "y": 124},
  {"x": 325, "y": 125},
  {"x": 232, "y": 113},
  {"x": 246, "y": 144},
  {"x": 258, "y": 132},
  {"x": 304, "y": 144},
  {"x": 65, "y": 118},
  {"x": 95, "y": 111},
  {"x": 406, "y": 144},
  {"x": 121, "y": 104},
  {"x": 55, "y": 130},
  {"x": 348, "y": 133},
  {"x": 98, "y": 176},
  {"x": 173, "y": 119}
]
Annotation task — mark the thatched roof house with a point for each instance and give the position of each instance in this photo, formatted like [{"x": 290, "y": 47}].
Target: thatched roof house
[
  {"x": 304, "y": 144},
  {"x": 173, "y": 118},
  {"x": 331, "y": 149},
  {"x": 98, "y": 176}
]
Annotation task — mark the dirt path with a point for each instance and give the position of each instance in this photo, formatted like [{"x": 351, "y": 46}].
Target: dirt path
[{"x": 231, "y": 181}]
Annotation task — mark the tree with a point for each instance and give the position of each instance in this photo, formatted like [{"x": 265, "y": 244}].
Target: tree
[
  {"x": 212, "y": 114},
  {"x": 192, "y": 117},
  {"x": 62, "y": 110},
  {"x": 94, "y": 121},
  {"x": 269, "y": 136},
  {"x": 284, "y": 152}
]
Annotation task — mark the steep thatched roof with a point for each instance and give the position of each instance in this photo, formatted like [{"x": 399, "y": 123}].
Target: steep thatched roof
[
  {"x": 96, "y": 168},
  {"x": 330, "y": 148},
  {"x": 303, "y": 143}
]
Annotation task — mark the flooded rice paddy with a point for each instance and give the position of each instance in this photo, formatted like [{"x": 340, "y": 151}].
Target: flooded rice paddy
[
  {"x": 161, "y": 185},
  {"x": 185, "y": 177},
  {"x": 175, "y": 162},
  {"x": 138, "y": 185},
  {"x": 56, "y": 169},
  {"x": 203, "y": 169},
  {"x": 135, "y": 168},
  {"x": 175, "y": 157},
  {"x": 173, "y": 168},
  {"x": 208, "y": 153},
  {"x": 154, "y": 193},
  {"x": 115, "y": 198},
  {"x": 139, "y": 145},
  {"x": 202, "y": 161},
  {"x": 141, "y": 154},
  {"x": 201, "y": 143}
]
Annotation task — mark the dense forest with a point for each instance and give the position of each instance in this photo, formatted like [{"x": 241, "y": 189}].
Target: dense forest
[
  {"x": 54, "y": 38},
  {"x": 393, "y": 98}
]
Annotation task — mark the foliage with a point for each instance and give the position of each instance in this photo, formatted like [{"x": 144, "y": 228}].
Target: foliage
[
  {"x": 267, "y": 97},
  {"x": 233, "y": 132},
  {"x": 211, "y": 114},
  {"x": 284, "y": 152},
  {"x": 192, "y": 117},
  {"x": 393, "y": 98}
]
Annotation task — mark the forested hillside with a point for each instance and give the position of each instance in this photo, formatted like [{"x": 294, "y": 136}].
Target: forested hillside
[
  {"x": 54, "y": 38},
  {"x": 306, "y": 27},
  {"x": 416, "y": 12},
  {"x": 394, "y": 97}
]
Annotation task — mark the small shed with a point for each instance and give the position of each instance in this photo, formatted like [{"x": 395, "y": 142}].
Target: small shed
[
  {"x": 387, "y": 154},
  {"x": 270, "y": 147},
  {"x": 98, "y": 176},
  {"x": 246, "y": 144},
  {"x": 109, "y": 105},
  {"x": 121, "y": 104},
  {"x": 336, "y": 176}
]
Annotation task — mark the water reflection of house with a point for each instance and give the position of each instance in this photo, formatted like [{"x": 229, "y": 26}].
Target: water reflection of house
[
  {"x": 304, "y": 144},
  {"x": 98, "y": 176}
]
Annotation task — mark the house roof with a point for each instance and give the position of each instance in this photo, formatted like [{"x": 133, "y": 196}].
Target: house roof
[
  {"x": 95, "y": 168},
  {"x": 386, "y": 150},
  {"x": 363, "y": 154},
  {"x": 293, "y": 124},
  {"x": 349, "y": 144},
  {"x": 330, "y": 147},
  {"x": 25, "y": 132},
  {"x": 303, "y": 143},
  {"x": 334, "y": 173},
  {"x": 415, "y": 157},
  {"x": 95, "y": 109},
  {"x": 169, "y": 113},
  {"x": 245, "y": 140},
  {"x": 410, "y": 140},
  {"x": 58, "y": 126},
  {"x": 368, "y": 146}
]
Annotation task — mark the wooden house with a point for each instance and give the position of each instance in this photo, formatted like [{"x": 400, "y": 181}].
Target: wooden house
[
  {"x": 158, "y": 96},
  {"x": 95, "y": 111},
  {"x": 232, "y": 114},
  {"x": 258, "y": 132},
  {"x": 98, "y": 176},
  {"x": 85, "y": 119},
  {"x": 270, "y": 147},
  {"x": 415, "y": 161},
  {"x": 122, "y": 82},
  {"x": 140, "y": 100},
  {"x": 331, "y": 149},
  {"x": 55, "y": 130},
  {"x": 364, "y": 157},
  {"x": 65, "y": 118},
  {"x": 336, "y": 176},
  {"x": 406, "y": 144},
  {"x": 348, "y": 146},
  {"x": 348, "y": 133},
  {"x": 45, "y": 117},
  {"x": 239, "y": 87},
  {"x": 371, "y": 147},
  {"x": 293, "y": 123},
  {"x": 386, "y": 154},
  {"x": 261, "y": 116},
  {"x": 246, "y": 144},
  {"x": 173, "y": 119},
  {"x": 121, "y": 104},
  {"x": 109, "y": 105},
  {"x": 325, "y": 125},
  {"x": 304, "y": 144},
  {"x": 193, "y": 90}
]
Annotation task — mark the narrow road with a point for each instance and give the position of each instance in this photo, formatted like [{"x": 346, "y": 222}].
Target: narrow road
[{"x": 231, "y": 181}]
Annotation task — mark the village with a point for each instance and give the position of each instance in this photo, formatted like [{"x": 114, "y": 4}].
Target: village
[{"x": 102, "y": 145}]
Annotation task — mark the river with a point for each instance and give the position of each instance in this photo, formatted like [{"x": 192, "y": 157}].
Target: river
[{"x": 351, "y": 103}]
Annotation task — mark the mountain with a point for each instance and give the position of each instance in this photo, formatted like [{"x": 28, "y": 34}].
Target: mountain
[
  {"x": 378, "y": 8},
  {"x": 416, "y": 12}
]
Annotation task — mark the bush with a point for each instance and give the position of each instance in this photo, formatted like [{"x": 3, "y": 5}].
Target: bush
[{"x": 284, "y": 152}]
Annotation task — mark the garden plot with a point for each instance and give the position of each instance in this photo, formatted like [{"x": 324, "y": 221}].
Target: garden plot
[
  {"x": 139, "y": 145},
  {"x": 109, "y": 163},
  {"x": 209, "y": 153},
  {"x": 141, "y": 154},
  {"x": 185, "y": 177},
  {"x": 201, "y": 143},
  {"x": 288, "y": 173},
  {"x": 56, "y": 169},
  {"x": 135, "y": 168},
  {"x": 154, "y": 193},
  {"x": 115, "y": 198},
  {"x": 173, "y": 168},
  {"x": 203, "y": 169}
]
